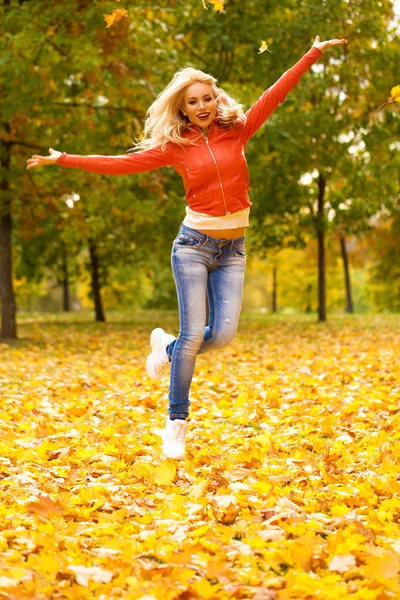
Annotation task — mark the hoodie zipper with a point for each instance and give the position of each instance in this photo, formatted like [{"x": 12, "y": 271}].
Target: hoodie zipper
[{"x": 219, "y": 177}]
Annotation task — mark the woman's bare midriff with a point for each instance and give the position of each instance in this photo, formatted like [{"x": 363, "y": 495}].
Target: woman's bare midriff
[{"x": 223, "y": 234}]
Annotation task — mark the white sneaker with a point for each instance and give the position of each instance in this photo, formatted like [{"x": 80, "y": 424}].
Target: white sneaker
[
  {"x": 173, "y": 437},
  {"x": 157, "y": 360}
]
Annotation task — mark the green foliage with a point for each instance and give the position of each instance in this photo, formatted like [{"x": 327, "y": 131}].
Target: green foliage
[{"x": 72, "y": 84}]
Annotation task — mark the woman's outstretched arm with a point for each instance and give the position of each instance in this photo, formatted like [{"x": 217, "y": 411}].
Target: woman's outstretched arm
[
  {"x": 276, "y": 94},
  {"x": 124, "y": 164}
]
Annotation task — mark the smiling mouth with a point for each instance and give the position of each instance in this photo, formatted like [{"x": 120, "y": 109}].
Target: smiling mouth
[{"x": 203, "y": 117}]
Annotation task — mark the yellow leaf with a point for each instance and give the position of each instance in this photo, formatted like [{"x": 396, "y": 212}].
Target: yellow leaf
[
  {"x": 395, "y": 93},
  {"x": 176, "y": 504},
  {"x": 255, "y": 542},
  {"x": 205, "y": 590},
  {"x": 262, "y": 487},
  {"x": 386, "y": 565},
  {"x": 263, "y": 47},
  {"x": 200, "y": 531},
  {"x": 116, "y": 16},
  {"x": 354, "y": 541},
  {"x": 225, "y": 509},
  {"x": 218, "y": 4},
  {"x": 327, "y": 426},
  {"x": 339, "y": 510},
  {"x": 199, "y": 489},
  {"x": 140, "y": 471},
  {"x": 264, "y": 439},
  {"x": 242, "y": 399},
  {"x": 165, "y": 473}
]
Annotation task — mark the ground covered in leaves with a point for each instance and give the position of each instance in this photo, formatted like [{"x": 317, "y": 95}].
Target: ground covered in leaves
[{"x": 290, "y": 488}]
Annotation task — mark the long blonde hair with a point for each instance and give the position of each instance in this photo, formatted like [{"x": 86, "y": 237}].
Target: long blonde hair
[{"x": 165, "y": 121}]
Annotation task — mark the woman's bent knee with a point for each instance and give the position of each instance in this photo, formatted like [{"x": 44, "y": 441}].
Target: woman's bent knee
[
  {"x": 191, "y": 340},
  {"x": 222, "y": 338}
]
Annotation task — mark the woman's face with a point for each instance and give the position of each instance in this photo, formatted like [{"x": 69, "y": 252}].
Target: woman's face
[{"x": 199, "y": 100}]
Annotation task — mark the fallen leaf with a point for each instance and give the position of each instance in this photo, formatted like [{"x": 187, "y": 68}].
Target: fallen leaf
[
  {"x": 342, "y": 563},
  {"x": 84, "y": 574},
  {"x": 45, "y": 506},
  {"x": 165, "y": 473}
]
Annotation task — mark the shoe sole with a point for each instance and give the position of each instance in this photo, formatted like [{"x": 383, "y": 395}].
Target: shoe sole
[{"x": 179, "y": 457}]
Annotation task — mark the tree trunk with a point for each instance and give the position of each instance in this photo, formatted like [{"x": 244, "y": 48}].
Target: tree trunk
[
  {"x": 8, "y": 305},
  {"x": 66, "y": 295},
  {"x": 94, "y": 261},
  {"x": 274, "y": 289},
  {"x": 321, "y": 250},
  {"x": 349, "y": 298}
]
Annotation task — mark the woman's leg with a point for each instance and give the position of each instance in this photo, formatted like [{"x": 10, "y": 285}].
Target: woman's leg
[
  {"x": 225, "y": 291},
  {"x": 203, "y": 266},
  {"x": 190, "y": 272}
]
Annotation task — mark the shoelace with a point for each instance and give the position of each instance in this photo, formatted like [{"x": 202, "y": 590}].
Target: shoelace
[{"x": 178, "y": 433}]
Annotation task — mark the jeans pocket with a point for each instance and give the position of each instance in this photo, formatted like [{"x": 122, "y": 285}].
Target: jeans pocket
[
  {"x": 185, "y": 240},
  {"x": 240, "y": 251}
]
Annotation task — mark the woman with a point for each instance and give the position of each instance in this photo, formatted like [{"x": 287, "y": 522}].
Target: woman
[{"x": 200, "y": 131}]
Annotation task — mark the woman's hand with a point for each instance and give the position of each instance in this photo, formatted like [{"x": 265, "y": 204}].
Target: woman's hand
[
  {"x": 322, "y": 45},
  {"x": 41, "y": 161}
]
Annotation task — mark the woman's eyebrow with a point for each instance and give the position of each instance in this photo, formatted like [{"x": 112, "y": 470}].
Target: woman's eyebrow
[{"x": 195, "y": 97}]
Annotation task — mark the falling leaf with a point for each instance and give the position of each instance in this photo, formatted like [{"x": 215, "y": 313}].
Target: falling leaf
[
  {"x": 394, "y": 96},
  {"x": 395, "y": 93},
  {"x": 116, "y": 16},
  {"x": 218, "y": 4},
  {"x": 263, "y": 47}
]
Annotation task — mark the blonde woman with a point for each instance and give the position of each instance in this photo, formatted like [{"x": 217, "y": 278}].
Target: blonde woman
[{"x": 200, "y": 131}]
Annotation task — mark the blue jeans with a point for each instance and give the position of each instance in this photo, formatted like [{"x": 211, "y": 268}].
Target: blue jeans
[{"x": 202, "y": 265}]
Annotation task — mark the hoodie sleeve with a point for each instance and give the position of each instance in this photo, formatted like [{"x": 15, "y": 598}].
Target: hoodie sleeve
[
  {"x": 274, "y": 95},
  {"x": 124, "y": 164}
]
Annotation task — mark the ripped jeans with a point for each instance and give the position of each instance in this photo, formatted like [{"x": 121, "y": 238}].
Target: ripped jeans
[{"x": 202, "y": 265}]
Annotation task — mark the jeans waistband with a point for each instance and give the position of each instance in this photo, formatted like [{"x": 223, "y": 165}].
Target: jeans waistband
[{"x": 204, "y": 238}]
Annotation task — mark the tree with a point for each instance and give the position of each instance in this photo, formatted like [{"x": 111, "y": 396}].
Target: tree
[
  {"x": 330, "y": 103},
  {"x": 61, "y": 76}
]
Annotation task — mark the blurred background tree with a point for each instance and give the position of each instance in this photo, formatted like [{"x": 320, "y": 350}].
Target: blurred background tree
[{"x": 324, "y": 169}]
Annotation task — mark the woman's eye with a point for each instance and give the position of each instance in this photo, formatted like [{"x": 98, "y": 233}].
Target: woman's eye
[{"x": 194, "y": 101}]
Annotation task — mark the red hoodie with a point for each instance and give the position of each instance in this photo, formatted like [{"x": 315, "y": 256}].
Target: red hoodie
[{"x": 214, "y": 170}]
